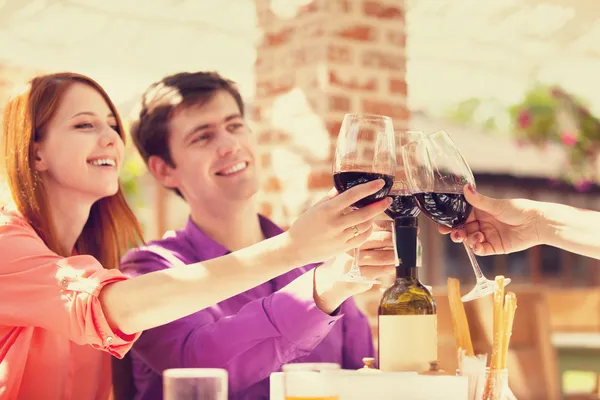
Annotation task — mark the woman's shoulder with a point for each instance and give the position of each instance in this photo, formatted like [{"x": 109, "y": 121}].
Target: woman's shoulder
[
  {"x": 12, "y": 220},
  {"x": 20, "y": 245}
]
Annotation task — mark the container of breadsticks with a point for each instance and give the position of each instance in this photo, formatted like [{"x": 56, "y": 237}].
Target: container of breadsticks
[{"x": 486, "y": 382}]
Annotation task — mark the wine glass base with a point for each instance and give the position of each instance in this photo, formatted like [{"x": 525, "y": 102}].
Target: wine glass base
[
  {"x": 482, "y": 289},
  {"x": 358, "y": 279}
]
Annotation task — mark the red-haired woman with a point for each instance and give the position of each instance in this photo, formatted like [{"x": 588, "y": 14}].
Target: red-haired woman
[{"x": 61, "y": 242}]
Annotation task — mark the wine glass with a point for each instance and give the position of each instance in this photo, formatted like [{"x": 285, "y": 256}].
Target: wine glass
[
  {"x": 403, "y": 203},
  {"x": 195, "y": 384},
  {"x": 365, "y": 151},
  {"x": 438, "y": 177}
]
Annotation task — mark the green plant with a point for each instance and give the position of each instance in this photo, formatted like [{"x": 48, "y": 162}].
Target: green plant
[
  {"x": 133, "y": 169},
  {"x": 549, "y": 114}
]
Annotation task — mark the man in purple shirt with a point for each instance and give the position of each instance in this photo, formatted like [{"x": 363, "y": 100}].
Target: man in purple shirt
[{"x": 194, "y": 139}]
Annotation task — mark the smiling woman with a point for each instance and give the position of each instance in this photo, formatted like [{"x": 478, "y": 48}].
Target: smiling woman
[{"x": 75, "y": 123}]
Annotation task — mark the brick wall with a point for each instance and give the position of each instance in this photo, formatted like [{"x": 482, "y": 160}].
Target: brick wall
[{"x": 332, "y": 57}]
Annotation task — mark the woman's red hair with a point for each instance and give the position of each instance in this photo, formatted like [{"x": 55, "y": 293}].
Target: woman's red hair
[{"x": 112, "y": 226}]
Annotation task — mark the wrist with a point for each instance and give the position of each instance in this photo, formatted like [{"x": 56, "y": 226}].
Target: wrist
[
  {"x": 544, "y": 227},
  {"x": 328, "y": 294},
  {"x": 290, "y": 251}
]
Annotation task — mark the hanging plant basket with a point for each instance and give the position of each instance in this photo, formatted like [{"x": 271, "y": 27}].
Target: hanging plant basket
[{"x": 549, "y": 114}]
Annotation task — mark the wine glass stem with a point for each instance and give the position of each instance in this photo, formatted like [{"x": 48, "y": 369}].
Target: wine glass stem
[
  {"x": 474, "y": 263},
  {"x": 355, "y": 269}
]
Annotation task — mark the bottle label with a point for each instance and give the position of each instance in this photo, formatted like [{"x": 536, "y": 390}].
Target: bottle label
[
  {"x": 419, "y": 253},
  {"x": 407, "y": 342}
]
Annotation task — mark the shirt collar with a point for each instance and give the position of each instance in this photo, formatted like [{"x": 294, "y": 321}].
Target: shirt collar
[{"x": 207, "y": 248}]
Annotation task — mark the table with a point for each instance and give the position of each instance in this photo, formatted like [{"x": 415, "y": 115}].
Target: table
[{"x": 360, "y": 385}]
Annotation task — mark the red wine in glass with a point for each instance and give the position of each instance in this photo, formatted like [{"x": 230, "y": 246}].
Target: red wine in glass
[
  {"x": 402, "y": 206},
  {"x": 449, "y": 209},
  {"x": 403, "y": 203},
  {"x": 348, "y": 179}
]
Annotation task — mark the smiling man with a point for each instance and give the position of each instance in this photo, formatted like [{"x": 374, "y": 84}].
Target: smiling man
[{"x": 192, "y": 134}]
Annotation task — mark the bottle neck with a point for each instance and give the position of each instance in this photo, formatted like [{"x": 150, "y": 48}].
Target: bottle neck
[
  {"x": 407, "y": 273},
  {"x": 406, "y": 248}
]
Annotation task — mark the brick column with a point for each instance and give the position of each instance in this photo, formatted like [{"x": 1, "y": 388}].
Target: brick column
[
  {"x": 321, "y": 60},
  {"x": 332, "y": 57}
]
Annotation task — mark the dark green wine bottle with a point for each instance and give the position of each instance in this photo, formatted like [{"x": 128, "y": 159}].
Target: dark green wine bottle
[{"x": 407, "y": 312}]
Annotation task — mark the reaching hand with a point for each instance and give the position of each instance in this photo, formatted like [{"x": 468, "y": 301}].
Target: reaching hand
[
  {"x": 497, "y": 226},
  {"x": 327, "y": 229},
  {"x": 377, "y": 260}
]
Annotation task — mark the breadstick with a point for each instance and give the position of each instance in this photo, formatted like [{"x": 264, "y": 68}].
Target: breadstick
[
  {"x": 497, "y": 345},
  {"x": 452, "y": 288},
  {"x": 459, "y": 318},
  {"x": 510, "y": 305},
  {"x": 498, "y": 323}
]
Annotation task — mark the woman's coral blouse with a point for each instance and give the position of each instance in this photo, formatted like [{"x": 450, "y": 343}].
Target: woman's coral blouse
[{"x": 51, "y": 321}]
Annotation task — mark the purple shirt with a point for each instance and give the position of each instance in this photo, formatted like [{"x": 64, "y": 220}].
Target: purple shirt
[{"x": 251, "y": 334}]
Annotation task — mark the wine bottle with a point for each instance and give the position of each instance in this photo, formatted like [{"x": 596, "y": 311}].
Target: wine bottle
[{"x": 407, "y": 311}]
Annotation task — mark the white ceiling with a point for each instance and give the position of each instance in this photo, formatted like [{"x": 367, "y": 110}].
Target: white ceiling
[
  {"x": 456, "y": 50},
  {"x": 128, "y": 44},
  {"x": 496, "y": 49}
]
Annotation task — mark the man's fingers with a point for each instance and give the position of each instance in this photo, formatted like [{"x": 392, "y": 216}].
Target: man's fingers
[
  {"x": 379, "y": 240},
  {"x": 376, "y": 257},
  {"x": 379, "y": 271}
]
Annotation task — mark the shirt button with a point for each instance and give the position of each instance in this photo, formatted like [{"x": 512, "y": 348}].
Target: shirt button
[
  {"x": 64, "y": 283},
  {"x": 109, "y": 340},
  {"x": 331, "y": 322}
]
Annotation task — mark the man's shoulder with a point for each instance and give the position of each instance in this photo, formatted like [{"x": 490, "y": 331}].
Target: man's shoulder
[{"x": 172, "y": 250}]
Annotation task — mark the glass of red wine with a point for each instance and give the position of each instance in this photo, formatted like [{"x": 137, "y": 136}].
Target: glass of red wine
[
  {"x": 404, "y": 209},
  {"x": 403, "y": 202},
  {"x": 438, "y": 177},
  {"x": 365, "y": 151}
]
